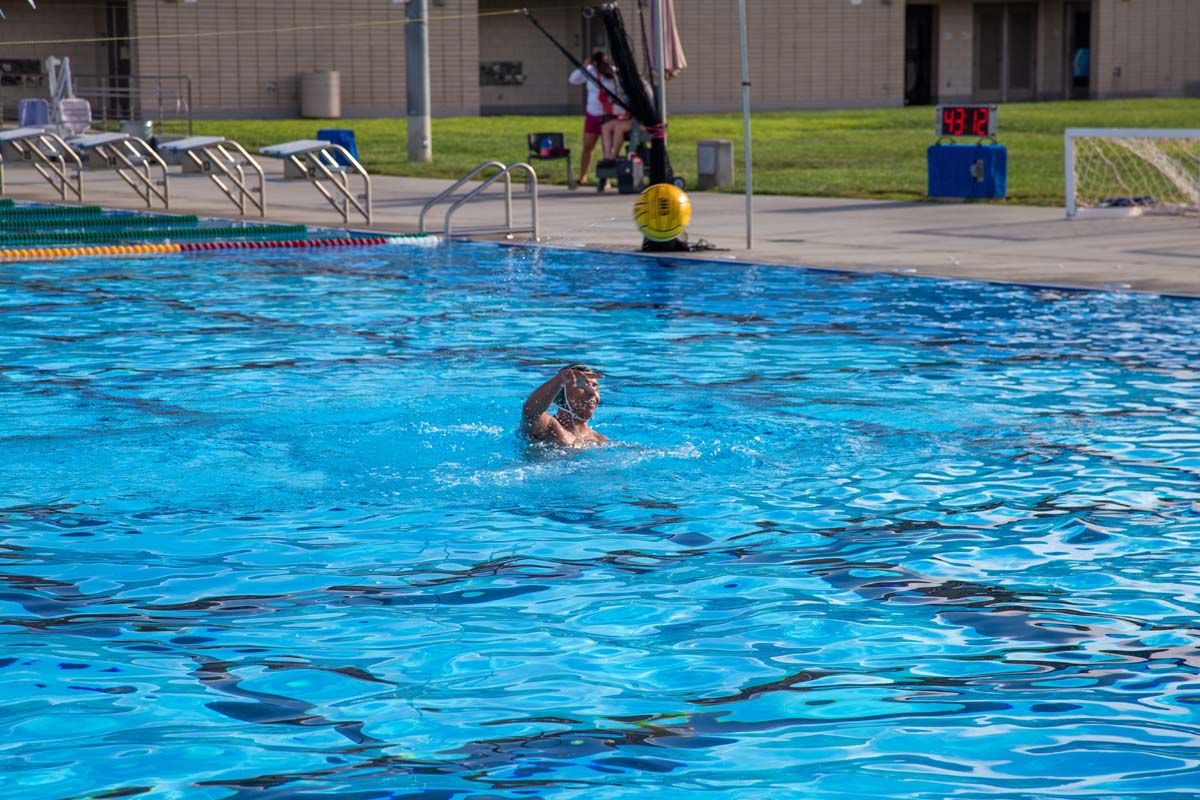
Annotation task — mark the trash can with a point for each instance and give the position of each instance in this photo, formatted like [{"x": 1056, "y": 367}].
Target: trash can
[
  {"x": 714, "y": 163},
  {"x": 342, "y": 136},
  {"x": 321, "y": 95}
]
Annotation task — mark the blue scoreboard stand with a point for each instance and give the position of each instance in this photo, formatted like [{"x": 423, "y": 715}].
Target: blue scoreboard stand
[{"x": 976, "y": 171}]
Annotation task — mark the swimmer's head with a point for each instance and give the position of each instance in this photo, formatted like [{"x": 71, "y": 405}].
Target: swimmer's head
[{"x": 579, "y": 393}]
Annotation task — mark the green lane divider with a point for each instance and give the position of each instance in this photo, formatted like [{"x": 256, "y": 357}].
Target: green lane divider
[
  {"x": 50, "y": 211},
  {"x": 150, "y": 234},
  {"x": 97, "y": 222},
  {"x": 69, "y": 225}
]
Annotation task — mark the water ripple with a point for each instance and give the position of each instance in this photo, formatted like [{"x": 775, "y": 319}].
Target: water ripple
[{"x": 266, "y": 531}]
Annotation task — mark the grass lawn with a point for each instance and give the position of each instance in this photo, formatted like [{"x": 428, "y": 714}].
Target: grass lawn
[{"x": 866, "y": 154}]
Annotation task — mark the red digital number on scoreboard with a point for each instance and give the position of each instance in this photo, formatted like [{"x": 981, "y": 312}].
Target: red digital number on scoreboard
[{"x": 965, "y": 121}]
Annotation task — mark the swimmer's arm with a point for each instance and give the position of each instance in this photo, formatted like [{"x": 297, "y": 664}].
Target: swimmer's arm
[{"x": 536, "y": 423}]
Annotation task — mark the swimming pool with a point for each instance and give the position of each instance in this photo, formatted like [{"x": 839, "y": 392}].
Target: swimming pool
[{"x": 268, "y": 532}]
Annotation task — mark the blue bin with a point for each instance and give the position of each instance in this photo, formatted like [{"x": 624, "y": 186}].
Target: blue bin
[
  {"x": 977, "y": 171},
  {"x": 33, "y": 112},
  {"x": 343, "y": 137}
]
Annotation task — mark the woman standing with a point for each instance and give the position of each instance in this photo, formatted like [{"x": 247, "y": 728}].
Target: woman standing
[{"x": 601, "y": 103}]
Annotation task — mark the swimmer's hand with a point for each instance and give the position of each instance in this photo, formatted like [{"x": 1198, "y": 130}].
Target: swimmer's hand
[
  {"x": 553, "y": 391},
  {"x": 567, "y": 376},
  {"x": 581, "y": 369},
  {"x": 574, "y": 375}
]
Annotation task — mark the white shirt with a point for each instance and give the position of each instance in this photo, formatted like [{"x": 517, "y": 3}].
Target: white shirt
[{"x": 597, "y": 105}]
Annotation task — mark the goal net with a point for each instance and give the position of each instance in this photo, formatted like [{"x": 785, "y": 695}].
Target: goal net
[{"x": 1129, "y": 172}]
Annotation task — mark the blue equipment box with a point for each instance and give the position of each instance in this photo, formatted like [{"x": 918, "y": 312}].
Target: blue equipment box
[
  {"x": 342, "y": 136},
  {"x": 968, "y": 170}
]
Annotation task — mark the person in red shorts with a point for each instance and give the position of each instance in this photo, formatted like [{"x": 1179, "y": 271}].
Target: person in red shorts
[{"x": 600, "y": 104}]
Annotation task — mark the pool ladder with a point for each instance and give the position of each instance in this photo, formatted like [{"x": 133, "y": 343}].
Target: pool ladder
[{"x": 504, "y": 171}]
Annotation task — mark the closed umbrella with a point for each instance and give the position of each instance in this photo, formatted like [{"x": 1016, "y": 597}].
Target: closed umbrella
[{"x": 673, "y": 60}]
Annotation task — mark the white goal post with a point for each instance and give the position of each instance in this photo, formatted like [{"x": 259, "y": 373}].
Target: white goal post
[{"x": 1132, "y": 171}]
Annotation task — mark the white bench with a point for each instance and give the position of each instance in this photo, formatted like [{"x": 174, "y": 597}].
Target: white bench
[
  {"x": 133, "y": 159},
  {"x": 224, "y": 162},
  {"x": 46, "y": 151},
  {"x": 21, "y": 133},
  {"x": 327, "y": 167}
]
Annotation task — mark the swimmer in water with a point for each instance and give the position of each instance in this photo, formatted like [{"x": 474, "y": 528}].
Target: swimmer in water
[{"x": 576, "y": 392}]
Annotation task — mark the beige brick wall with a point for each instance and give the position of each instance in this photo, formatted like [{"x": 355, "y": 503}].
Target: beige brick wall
[
  {"x": 802, "y": 53},
  {"x": 64, "y": 20},
  {"x": 956, "y": 51},
  {"x": 454, "y": 44},
  {"x": 246, "y": 57},
  {"x": 1139, "y": 48},
  {"x": 1148, "y": 47},
  {"x": 511, "y": 37},
  {"x": 1053, "y": 58}
]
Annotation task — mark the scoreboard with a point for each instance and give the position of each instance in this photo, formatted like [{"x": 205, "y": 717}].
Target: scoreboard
[{"x": 960, "y": 120}]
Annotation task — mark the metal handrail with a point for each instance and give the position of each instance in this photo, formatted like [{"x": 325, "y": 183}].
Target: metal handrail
[
  {"x": 141, "y": 94},
  {"x": 507, "y": 193},
  {"x": 224, "y": 157},
  {"x": 247, "y": 159},
  {"x": 133, "y": 160},
  {"x": 330, "y": 168},
  {"x": 48, "y": 153},
  {"x": 533, "y": 200}
]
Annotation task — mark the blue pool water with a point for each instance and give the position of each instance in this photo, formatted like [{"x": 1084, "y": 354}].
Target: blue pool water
[{"x": 268, "y": 532}]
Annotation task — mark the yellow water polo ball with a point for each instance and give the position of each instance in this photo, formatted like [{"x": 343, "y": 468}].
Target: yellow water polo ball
[{"x": 662, "y": 212}]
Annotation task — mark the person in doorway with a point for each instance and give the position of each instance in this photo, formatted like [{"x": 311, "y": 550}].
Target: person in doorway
[
  {"x": 576, "y": 392},
  {"x": 600, "y": 104},
  {"x": 1081, "y": 66}
]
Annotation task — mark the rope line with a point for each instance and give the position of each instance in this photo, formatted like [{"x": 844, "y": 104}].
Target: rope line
[
  {"x": 40, "y": 253},
  {"x": 256, "y": 31}
]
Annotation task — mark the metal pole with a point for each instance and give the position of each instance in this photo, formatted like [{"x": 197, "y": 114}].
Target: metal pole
[
  {"x": 746, "y": 128},
  {"x": 660, "y": 80},
  {"x": 416, "y": 68},
  {"x": 1069, "y": 169}
]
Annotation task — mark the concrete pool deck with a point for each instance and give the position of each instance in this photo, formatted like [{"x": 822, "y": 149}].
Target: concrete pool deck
[{"x": 977, "y": 241}]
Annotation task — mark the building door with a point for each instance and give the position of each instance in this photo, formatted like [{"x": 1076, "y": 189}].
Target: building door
[
  {"x": 1005, "y": 52},
  {"x": 1078, "y": 55},
  {"x": 920, "y": 39},
  {"x": 120, "y": 60}
]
